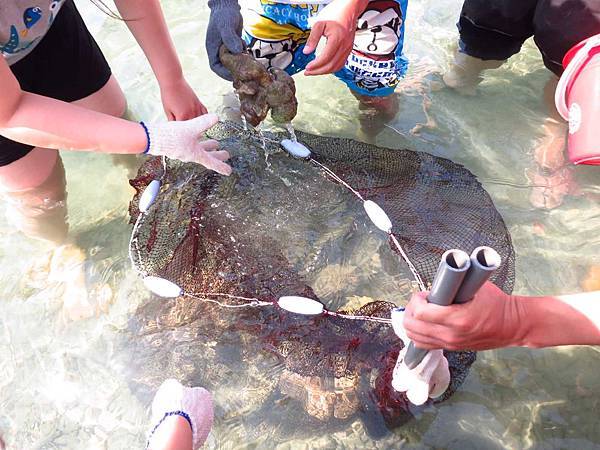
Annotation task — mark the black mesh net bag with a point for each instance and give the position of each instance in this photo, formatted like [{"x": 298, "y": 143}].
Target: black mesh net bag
[{"x": 231, "y": 247}]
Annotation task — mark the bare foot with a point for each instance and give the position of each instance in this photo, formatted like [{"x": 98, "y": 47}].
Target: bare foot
[
  {"x": 553, "y": 179},
  {"x": 549, "y": 153},
  {"x": 549, "y": 191},
  {"x": 36, "y": 275}
]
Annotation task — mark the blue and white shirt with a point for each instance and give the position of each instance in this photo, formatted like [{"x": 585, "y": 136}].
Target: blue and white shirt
[{"x": 23, "y": 24}]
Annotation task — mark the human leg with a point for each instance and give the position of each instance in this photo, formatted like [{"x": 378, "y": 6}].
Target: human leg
[
  {"x": 375, "y": 112},
  {"x": 559, "y": 25},
  {"x": 491, "y": 31},
  {"x": 32, "y": 180},
  {"x": 377, "y": 63},
  {"x": 551, "y": 177}
]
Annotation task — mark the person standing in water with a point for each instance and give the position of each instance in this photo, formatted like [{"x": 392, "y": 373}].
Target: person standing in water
[
  {"x": 58, "y": 92},
  {"x": 491, "y": 31},
  {"x": 364, "y": 44}
]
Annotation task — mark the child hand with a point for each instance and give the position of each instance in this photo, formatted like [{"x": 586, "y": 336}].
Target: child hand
[
  {"x": 180, "y": 102},
  {"x": 492, "y": 319},
  {"x": 181, "y": 140},
  {"x": 337, "y": 23}
]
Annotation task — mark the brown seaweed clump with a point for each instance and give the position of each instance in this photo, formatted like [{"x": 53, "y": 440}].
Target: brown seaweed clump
[{"x": 261, "y": 89}]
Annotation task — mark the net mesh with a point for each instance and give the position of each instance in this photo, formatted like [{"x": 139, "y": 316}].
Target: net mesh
[{"x": 222, "y": 240}]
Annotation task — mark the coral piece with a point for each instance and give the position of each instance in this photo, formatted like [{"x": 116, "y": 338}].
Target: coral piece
[
  {"x": 261, "y": 90},
  {"x": 323, "y": 397}
]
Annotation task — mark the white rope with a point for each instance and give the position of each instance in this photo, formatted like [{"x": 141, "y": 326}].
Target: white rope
[
  {"x": 133, "y": 244},
  {"x": 363, "y": 318},
  {"x": 405, "y": 257},
  {"x": 252, "y": 302},
  {"x": 409, "y": 263},
  {"x": 332, "y": 174}
]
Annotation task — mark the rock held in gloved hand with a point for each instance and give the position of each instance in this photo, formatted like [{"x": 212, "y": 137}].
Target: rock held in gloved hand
[{"x": 259, "y": 89}]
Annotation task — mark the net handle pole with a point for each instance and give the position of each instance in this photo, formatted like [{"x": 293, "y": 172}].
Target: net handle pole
[
  {"x": 483, "y": 262},
  {"x": 451, "y": 273}
]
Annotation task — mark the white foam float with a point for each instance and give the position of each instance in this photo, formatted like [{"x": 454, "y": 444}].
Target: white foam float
[
  {"x": 149, "y": 195},
  {"x": 162, "y": 287},
  {"x": 295, "y": 148},
  {"x": 301, "y": 305},
  {"x": 378, "y": 216}
]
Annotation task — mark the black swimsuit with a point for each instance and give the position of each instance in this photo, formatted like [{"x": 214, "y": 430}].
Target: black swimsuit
[
  {"x": 496, "y": 29},
  {"x": 66, "y": 65}
]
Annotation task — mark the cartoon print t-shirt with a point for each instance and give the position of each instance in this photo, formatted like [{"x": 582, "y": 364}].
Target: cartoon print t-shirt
[
  {"x": 23, "y": 23},
  {"x": 276, "y": 32}
]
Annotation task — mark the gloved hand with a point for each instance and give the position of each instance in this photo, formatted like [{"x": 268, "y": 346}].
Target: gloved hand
[
  {"x": 429, "y": 379},
  {"x": 181, "y": 140},
  {"x": 224, "y": 27}
]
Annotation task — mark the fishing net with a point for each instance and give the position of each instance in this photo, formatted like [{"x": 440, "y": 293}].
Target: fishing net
[{"x": 235, "y": 245}]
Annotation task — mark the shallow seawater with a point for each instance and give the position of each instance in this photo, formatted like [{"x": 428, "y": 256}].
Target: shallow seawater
[{"x": 70, "y": 384}]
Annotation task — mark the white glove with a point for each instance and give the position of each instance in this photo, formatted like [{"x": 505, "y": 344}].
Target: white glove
[
  {"x": 194, "y": 404},
  {"x": 182, "y": 140},
  {"x": 429, "y": 379}
]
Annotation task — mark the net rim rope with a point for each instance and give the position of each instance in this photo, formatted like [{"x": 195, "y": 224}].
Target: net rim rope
[{"x": 376, "y": 214}]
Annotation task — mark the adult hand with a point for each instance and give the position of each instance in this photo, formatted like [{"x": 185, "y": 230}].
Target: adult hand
[
  {"x": 337, "y": 23},
  {"x": 492, "y": 319},
  {"x": 429, "y": 379},
  {"x": 224, "y": 28},
  {"x": 181, "y": 140},
  {"x": 180, "y": 102}
]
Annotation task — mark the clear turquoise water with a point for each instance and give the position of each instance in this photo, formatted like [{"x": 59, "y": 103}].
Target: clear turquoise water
[{"x": 68, "y": 385}]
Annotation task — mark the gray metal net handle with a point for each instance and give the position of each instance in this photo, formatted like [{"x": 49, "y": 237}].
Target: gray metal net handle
[
  {"x": 446, "y": 283},
  {"x": 483, "y": 262}
]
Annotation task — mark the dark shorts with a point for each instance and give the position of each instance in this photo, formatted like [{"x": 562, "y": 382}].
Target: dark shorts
[
  {"x": 496, "y": 29},
  {"x": 66, "y": 65}
]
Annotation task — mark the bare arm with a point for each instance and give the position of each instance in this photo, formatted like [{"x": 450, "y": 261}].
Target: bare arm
[
  {"x": 44, "y": 122},
  {"x": 494, "y": 320},
  {"x": 146, "y": 22},
  {"x": 563, "y": 320}
]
